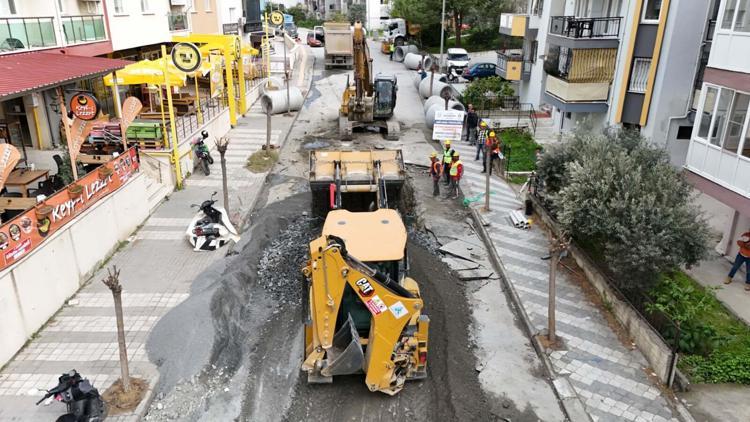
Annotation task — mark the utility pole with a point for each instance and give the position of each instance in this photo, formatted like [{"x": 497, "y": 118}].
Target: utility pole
[
  {"x": 558, "y": 249},
  {"x": 442, "y": 38},
  {"x": 221, "y": 145},
  {"x": 286, "y": 73},
  {"x": 268, "y": 130},
  {"x": 113, "y": 282},
  {"x": 487, "y": 164}
]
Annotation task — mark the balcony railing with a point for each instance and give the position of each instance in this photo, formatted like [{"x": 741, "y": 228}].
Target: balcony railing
[
  {"x": 178, "y": 21},
  {"x": 81, "y": 29},
  {"x": 27, "y": 33},
  {"x": 513, "y": 67},
  {"x": 572, "y": 27}
]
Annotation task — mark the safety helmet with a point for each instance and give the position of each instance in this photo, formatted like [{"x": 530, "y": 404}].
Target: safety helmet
[
  {"x": 433, "y": 154},
  {"x": 447, "y": 142},
  {"x": 483, "y": 123},
  {"x": 204, "y": 134},
  {"x": 492, "y": 134},
  {"x": 455, "y": 155}
]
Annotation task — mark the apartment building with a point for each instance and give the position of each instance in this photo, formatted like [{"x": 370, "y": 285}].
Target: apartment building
[
  {"x": 718, "y": 159},
  {"x": 631, "y": 63}
]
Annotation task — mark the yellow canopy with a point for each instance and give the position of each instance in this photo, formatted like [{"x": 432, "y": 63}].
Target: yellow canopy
[{"x": 151, "y": 72}]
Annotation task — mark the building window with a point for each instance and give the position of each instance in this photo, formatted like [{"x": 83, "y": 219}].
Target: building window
[
  {"x": 742, "y": 18},
  {"x": 736, "y": 122},
  {"x": 582, "y": 8},
  {"x": 144, "y": 6},
  {"x": 7, "y": 7},
  {"x": 708, "y": 112},
  {"x": 639, "y": 75},
  {"x": 651, "y": 11},
  {"x": 534, "y": 50},
  {"x": 720, "y": 116},
  {"x": 728, "y": 17},
  {"x": 207, "y": 5},
  {"x": 119, "y": 8}
]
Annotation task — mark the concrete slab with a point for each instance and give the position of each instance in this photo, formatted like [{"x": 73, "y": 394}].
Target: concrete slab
[
  {"x": 478, "y": 274},
  {"x": 464, "y": 250},
  {"x": 718, "y": 403},
  {"x": 458, "y": 264}
]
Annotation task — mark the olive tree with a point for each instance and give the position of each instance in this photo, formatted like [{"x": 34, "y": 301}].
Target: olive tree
[{"x": 621, "y": 196}]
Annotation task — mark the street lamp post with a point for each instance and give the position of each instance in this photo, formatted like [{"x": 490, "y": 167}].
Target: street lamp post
[{"x": 442, "y": 34}]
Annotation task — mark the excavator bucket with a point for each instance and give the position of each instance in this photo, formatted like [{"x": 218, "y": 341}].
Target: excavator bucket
[{"x": 345, "y": 356}]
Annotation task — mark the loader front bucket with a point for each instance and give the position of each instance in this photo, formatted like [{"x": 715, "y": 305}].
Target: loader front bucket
[{"x": 346, "y": 355}]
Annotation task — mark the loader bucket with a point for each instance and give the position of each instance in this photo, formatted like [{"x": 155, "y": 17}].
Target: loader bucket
[{"x": 345, "y": 356}]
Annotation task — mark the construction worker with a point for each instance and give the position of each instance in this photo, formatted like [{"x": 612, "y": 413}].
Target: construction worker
[
  {"x": 484, "y": 131},
  {"x": 436, "y": 171},
  {"x": 471, "y": 121},
  {"x": 447, "y": 160},
  {"x": 456, "y": 171},
  {"x": 492, "y": 146},
  {"x": 391, "y": 49}
]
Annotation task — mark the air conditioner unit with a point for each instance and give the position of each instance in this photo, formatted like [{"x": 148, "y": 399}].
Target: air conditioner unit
[{"x": 178, "y": 2}]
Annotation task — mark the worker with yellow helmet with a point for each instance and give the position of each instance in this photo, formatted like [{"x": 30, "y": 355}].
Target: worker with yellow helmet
[
  {"x": 492, "y": 146},
  {"x": 482, "y": 135},
  {"x": 447, "y": 160},
  {"x": 436, "y": 171},
  {"x": 456, "y": 172}
]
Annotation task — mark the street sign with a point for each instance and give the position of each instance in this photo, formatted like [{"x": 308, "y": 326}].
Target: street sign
[
  {"x": 231, "y": 28},
  {"x": 186, "y": 57},
  {"x": 448, "y": 125},
  {"x": 277, "y": 18}
]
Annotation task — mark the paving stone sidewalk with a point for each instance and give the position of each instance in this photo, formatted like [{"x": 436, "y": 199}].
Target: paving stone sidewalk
[
  {"x": 609, "y": 378},
  {"x": 157, "y": 266}
]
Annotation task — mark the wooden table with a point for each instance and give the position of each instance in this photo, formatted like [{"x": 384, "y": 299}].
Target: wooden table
[
  {"x": 22, "y": 178},
  {"x": 16, "y": 203},
  {"x": 93, "y": 158}
]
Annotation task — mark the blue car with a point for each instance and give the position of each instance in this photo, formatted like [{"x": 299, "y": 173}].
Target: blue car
[{"x": 481, "y": 70}]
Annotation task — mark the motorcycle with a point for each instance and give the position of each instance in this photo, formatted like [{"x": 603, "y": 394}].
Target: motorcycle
[
  {"x": 210, "y": 229},
  {"x": 202, "y": 154},
  {"x": 84, "y": 404}
]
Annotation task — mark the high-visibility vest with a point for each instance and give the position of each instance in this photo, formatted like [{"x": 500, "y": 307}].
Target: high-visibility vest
[
  {"x": 489, "y": 141},
  {"x": 447, "y": 156},
  {"x": 436, "y": 166},
  {"x": 454, "y": 168}
]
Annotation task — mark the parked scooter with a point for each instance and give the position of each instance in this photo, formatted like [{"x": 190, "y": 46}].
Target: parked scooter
[
  {"x": 81, "y": 398},
  {"x": 210, "y": 229},
  {"x": 202, "y": 155}
]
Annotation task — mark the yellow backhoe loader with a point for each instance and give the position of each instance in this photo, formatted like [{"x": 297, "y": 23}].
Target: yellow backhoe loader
[
  {"x": 364, "y": 314},
  {"x": 367, "y": 102}
]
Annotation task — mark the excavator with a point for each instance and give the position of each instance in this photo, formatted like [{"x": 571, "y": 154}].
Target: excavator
[
  {"x": 366, "y": 102},
  {"x": 364, "y": 313}
]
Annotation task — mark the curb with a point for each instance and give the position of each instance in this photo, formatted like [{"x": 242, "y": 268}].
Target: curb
[
  {"x": 140, "y": 411},
  {"x": 572, "y": 405}
]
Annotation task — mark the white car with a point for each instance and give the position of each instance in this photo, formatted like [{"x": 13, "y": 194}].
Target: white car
[{"x": 458, "y": 62}]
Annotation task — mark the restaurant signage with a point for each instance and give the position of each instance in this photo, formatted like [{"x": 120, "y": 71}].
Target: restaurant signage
[
  {"x": 231, "y": 28},
  {"x": 9, "y": 156},
  {"x": 79, "y": 132},
  {"x": 29, "y": 230},
  {"x": 131, "y": 107},
  {"x": 217, "y": 79},
  {"x": 186, "y": 57},
  {"x": 84, "y": 106}
]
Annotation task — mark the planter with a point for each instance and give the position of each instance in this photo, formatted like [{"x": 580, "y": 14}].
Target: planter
[
  {"x": 104, "y": 172},
  {"x": 42, "y": 211},
  {"x": 75, "y": 190}
]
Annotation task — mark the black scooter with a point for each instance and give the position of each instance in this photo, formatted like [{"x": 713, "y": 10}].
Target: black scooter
[
  {"x": 202, "y": 154},
  {"x": 81, "y": 398}
]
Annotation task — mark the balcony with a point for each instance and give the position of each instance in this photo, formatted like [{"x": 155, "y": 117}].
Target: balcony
[
  {"x": 83, "y": 29},
  {"x": 26, "y": 33},
  {"x": 575, "y": 32},
  {"x": 178, "y": 22},
  {"x": 512, "y": 66},
  {"x": 513, "y": 24},
  {"x": 578, "y": 80}
]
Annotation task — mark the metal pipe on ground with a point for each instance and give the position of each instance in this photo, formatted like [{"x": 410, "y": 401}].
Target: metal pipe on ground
[
  {"x": 399, "y": 54},
  {"x": 275, "y": 101},
  {"x": 429, "y": 117}
]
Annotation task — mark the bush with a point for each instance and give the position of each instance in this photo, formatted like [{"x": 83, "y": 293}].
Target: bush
[
  {"x": 719, "y": 368},
  {"x": 624, "y": 197},
  {"x": 522, "y": 155},
  {"x": 485, "y": 93}
]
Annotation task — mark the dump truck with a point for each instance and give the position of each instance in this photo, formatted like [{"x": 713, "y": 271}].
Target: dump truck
[
  {"x": 339, "y": 51},
  {"x": 400, "y": 32},
  {"x": 364, "y": 313}
]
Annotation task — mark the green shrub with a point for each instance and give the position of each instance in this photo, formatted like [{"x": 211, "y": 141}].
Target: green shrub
[
  {"x": 484, "y": 93},
  {"x": 721, "y": 367},
  {"x": 522, "y": 155}
]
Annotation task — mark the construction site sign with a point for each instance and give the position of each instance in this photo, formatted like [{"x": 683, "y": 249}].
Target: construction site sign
[{"x": 449, "y": 125}]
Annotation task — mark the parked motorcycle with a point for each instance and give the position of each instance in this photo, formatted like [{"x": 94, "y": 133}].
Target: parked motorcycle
[
  {"x": 210, "y": 229},
  {"x": 81, "y": 398},
  {"x": 202, "y": 154}
]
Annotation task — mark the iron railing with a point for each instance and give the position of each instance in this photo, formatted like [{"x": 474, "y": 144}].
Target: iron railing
[
  {"x": 178, "y": 21},
  {"x": 508, "y": 107},
  {"x": 572, "y": 27},
  {"x": 187, "y": 125},
  {"x": 27, "y": 33},
  {"x": 80, "y": 29},
  {"x": 503, "y": 59}
]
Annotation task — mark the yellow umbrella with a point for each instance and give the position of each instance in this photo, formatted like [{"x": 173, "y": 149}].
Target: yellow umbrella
[{"x": 149, "y": 72}]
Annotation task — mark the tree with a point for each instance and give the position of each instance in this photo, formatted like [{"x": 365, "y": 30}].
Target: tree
[
  {"x": 113, "y": 283},
  {"x": 620, "y": 195},
  {"x": 357, "y": 12},
  {"x": 298, "y": 12}
]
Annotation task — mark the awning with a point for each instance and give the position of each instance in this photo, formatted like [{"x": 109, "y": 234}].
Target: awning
[
  {"x": 25, "y": 72},
  {"x": 151, "y": 72}
]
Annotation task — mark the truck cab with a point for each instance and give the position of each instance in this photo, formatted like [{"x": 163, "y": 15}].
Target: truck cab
[{"x": 385, "y": 88}]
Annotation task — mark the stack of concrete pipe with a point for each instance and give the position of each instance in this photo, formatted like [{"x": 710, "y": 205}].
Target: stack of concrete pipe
[
  {"x": 412, "y": 61},
  {"x": 429, "y": 117},
  {"x": 399, "y": 54},
  {"x": 432, "y": 101},
  {"x": 275, "y": 100},
  {"x": 437, "y": 87},
  {"x": 441, "y": 77}
]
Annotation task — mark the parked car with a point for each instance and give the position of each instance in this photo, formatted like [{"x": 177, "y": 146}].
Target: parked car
[
  {"x": 480, "y": 70},
  {"x": 314, "y": 41},
  {"x": 290, "y": 27},
  {"x": 458, "y": 62}
]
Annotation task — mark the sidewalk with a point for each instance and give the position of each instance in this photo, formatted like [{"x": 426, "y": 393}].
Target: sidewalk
[
  {"x": 608, "y": 377},
  {"x": 157, "y": 269},
  {"x": 712, "y": 272}
]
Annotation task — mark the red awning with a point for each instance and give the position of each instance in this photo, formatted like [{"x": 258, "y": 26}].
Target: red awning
[{"x": 24, "y": 72}]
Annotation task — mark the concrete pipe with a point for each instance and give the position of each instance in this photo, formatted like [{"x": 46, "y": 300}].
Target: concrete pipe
[
  {"x": 274, "y": 85},
  {"x": 429, "y": 117},
  {"x": 438, "y": 77},
  {"x": 427, "y": 63},
  {"x": 432, "y": 101},
  {"x": 276, "y": 100},
  {"x": 437, "y": 87},
  {"x": 399, "y": 54},
  {"x": 412, "y": 61}
]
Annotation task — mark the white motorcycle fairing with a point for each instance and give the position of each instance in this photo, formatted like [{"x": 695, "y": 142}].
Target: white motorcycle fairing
[{"x": 226, "y": 233}]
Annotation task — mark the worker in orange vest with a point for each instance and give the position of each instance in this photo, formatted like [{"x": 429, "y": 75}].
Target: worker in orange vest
[
  {"x": 436, "y": 172},
  {"x": 456, "y": 171},
  {"x": 492, "y": 146}
]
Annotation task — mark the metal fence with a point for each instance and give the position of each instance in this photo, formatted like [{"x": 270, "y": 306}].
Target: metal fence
[
  {"x": 188, "y": 124},
  {"x": 572, "y": 27},
  {"x": 80, "y": 29},
  {"x": 25, "y": 33},
  {"x": 497, "y": 107}
]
